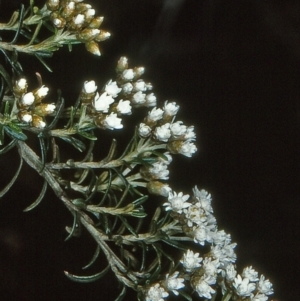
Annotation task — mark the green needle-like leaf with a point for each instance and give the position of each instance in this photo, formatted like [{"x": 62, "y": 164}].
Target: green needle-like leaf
[
  {"x": 87, "y": 279},
  {"x": 39, "y": 199}
]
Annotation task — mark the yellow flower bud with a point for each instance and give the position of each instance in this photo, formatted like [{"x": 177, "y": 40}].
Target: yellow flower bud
[{"x": 93, "y": 48}]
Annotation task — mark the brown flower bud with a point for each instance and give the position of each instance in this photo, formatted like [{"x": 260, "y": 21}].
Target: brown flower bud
[
  {"x": 102, "y": 36},
  {"x": 93, "y": 48},
  {"x": 96, "y": 22},
  {"x": 87, "y": 34},
  {"x": 24, "y": 116},
  {"x": 52, "y": 5},
  {"x": 43, "y": 109},
  {"x": 38, "y": 122},
  {"x": 158, "y": 188},
  {"x": 57, "y": 20}
]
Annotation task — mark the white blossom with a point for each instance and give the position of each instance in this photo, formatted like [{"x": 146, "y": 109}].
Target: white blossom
[
  {"x": 265, "y": 286},
  {"x": 195, "y": 214},
  {"x": 138, "y": 98},
  {"x": 27, "y": 118},
  {"x": 225, "y": 254},
  {"x": 151, "y": 100},
  {"x": 221, "y": 238},
  {"x": 79, "y": 19},
  {"x": 211, "y": 269},
  {"x": 204, "y": 289},
  {"x": 113, "y": 122},
  {"x": 178, "y": 129},
  {"x": 155, "y": 114},
  {"x": 139, "y": 85},
  {"x": 22, "y": 83},
  {"x": 156, "y": 293},
  {"x": 159, "y": 170},
  {"x": 174, "y": 283},
  {"x": 42, "y": 91},
  {"x": 201, "y": 234},
  {"x": 250, "y": 273},
  {"x": 102, "y": 102},
  {"x": 162, "y": 133},
  {"x": 127, "y": 88},
  {"x": 171, "y": 108},
  {"x": 177, "y": 202},
  {"x": 190, "y": 134},
  {"x": 243, "y": 286},
  {"x": 90, "y": 13},
  {"x": 112, "y": 89},
  {"x": 230, "y": 272},
  {"x": 27, "y": 99},
  {"x": 89, "y": 87},
  {"x": 204, "y": 199},
  {"x": 191, "y": 260},
  {"x": 187, "y": 149},
  {"x": 124, "y": 107},
  {"x": 128, "y": 74},
  {"x": 144, "y": 130}
]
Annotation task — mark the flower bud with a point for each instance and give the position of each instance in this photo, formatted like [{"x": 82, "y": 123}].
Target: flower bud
[
  {"x": 102, "y": 36},
  {"x": 96, "y": 22},
  {"x": 43, "y": 109},
  {"x": 87, "y": 34},
  {"x": 52, "y": 5},
  {"x": 81, "y": 7},
  {"x": 93, "y": 48},
  {"x": 68, "y": 10},
  {"x": 122, "y": 64},
  {"x": 77, "y": 22},
  {"x": 158, "y": 188},
  {"x": 40, "y": 93},
  {"x": 57, "y": 20},
  {"x": 89, "y": 14},
  {"x": 139, "y": 71},
  {"x": 20, "y": 87},
  {"x": 27, "y": 99},
  {"x": 24, "y": 116},
  {"x": 38, "y": 122}
]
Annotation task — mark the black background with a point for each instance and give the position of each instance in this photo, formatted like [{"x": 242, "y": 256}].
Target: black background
[{"x": 233, "y": 66}]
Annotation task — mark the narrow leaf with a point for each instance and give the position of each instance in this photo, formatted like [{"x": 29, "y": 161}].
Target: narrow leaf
[
  {"x": 79, "y": 145},
  {"x": 87, "y": 279},
  {"x": 13, "y": 132},
  {"x": 11, "y": 183},
  {"x": 95, "y": 256},
  {"x": 185, "y": 295},
  {"x": 8, "y": 147},
  {"x": 39, "y": 199},
  {"x": 122, "y": 294},
  {"x": 87, "y": 135}
]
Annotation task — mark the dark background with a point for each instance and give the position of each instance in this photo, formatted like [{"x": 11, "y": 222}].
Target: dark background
[{"x": 233, "y": 66}]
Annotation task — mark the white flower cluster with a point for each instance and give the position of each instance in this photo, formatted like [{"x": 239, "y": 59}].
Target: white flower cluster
[
  {"x": 216, "y": 267},
  {"x": 105, "y": 109},
  {"x": 132, "y": 86},
  {"x": 31, "y": 110},
  {"x": 160, "y": 126}
]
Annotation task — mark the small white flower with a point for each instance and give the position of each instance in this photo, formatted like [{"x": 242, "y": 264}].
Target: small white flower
[
  {"x": 211, "y": 268},
  {"x": 89, "y": 87},
  {"x": 138, "y": 98},
  {"x": 204, "y": 289},
  {"x": 204, "y": 199},
  {"x": 265, "y": 286},
  {"x": 124, "y": 107},
  {"x": 122, "y": 63},
  {"x": 221, "y": 238},
  {"x": 178, "y": 129},
  {"x": 70, "y": 5},
  {"x": 174, "y": 283},
  {"x": 27, "y": 99},
  {"x": 243, "y": 287},
  {"x": 195, "y": 214},
  {"x": 187, "y": 149},
  {"x": 127, "y": 88},
  {"x": 225, "y": 254},
  {"x": 139, "y": 85},
  {"x": 102, "y": 102},
  {"x": 258, "y": 297},
  {"x": 144, "y": 130},
  {"x": 191, "y": 260},
  {"x": 42, "y": 91},
  {"x": 22, "y": 83},
  {"x": 155, "y": 114},
  {"x": 230, "y": 272},
  {"x": 151, "y": 100},
  {"x": 156, "y": 293},
  {"x": 27, "y": 118},
  {"x": 201, "y": 234},
  {"x": 90, "y": 13},
  {"x": 171, "y": 108},
  {"x": 113, "y": 122},
  {"x": 49, "y": 108},
  {"x": 159, "y": 170},
  {"x": 162, "y": 133},
  {"x": 79, "y": 19},
  {"x": 177, "y": 202},
  {"x": 128, "y": 74},
  {"x": 190, "y": 134},
  {"x": 112, "y": 89},
  {"x": 250, "y": 273},
  {"x": 139, "y": 71}
]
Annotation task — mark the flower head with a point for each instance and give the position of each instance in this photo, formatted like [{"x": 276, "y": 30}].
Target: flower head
[
  {"x": 204, "y": 289},
  {"x": 112, "y": 122},
  {"x": 191, "y": 260},
  {"x": 265, "y": 286},
  {"x": 112, "y": 89},
  {"x": 177, "y": 202},
  {"x": 102, "y": 102},
  {"x": 156, "y": 293},
  {"x": 174, "y": 283},
  {"x": 124, "y": 107},
  {"x": 243, "y": 286}
]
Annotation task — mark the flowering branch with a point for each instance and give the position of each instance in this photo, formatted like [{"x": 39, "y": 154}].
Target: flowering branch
[{"x": 110, "y": 197}]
